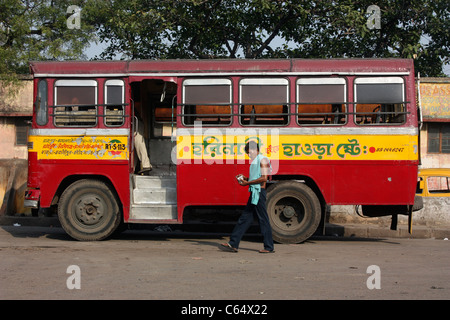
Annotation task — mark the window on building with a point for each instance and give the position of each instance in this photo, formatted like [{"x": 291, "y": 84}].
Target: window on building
[
  {"x": 321, "y": 101},
  {"x": 380, "y": 101},
  {"x": 21, "y": 132},
  {"x": 208, "y": 101},
  {"x": 75, "y": 103},
  {"x": 264, "y": 101},
  {"x": 439, "y": 137}
]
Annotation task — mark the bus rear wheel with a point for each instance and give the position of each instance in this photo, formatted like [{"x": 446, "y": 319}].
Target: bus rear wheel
[
  {"x": 88, "y": 210},
  {"x": 294, "y": 211}
]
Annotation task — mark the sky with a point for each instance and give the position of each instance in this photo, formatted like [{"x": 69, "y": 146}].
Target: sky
[{"x": 447, "y": 70}]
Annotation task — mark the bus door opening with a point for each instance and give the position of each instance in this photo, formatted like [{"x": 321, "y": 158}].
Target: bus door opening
[{"x": 155, "y": 103}]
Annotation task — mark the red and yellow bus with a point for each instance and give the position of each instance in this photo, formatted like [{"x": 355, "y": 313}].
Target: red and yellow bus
[{"x": 337, "y": 132}]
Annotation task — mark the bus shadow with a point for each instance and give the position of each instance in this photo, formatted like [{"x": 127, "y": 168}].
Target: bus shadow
[
  {"x": 200, "y": 234},
  {"x": 18, "y": 231}
]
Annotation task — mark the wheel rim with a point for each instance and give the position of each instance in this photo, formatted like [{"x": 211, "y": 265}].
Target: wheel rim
[
  {"x": 289, "y": 214},
  {"x": 89, "y": 210}
]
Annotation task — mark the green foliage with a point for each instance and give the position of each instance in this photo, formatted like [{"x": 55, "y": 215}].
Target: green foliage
[
  {"x": 254, "y": 29},
  {"x": 209, "y": 29},
  {"x": 37, "y": 30}
]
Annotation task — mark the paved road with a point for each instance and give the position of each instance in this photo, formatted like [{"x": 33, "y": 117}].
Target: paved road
[{"x": 35, "y": 263}]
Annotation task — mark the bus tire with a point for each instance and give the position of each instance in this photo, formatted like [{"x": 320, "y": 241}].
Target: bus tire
[
  {"x": 294, "y": 211},
  {"x": 88, "y": 210}
]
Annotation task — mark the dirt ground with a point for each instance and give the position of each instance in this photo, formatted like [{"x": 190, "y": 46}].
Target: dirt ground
[{"x": 35, "y": 263}]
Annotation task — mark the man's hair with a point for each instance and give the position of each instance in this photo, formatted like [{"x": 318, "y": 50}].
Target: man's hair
[{"x": 251, "y": 145}]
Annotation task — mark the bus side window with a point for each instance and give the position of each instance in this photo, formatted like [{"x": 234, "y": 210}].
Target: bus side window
[
  {"x": 41, "y": 103},
  {"x": 321, "y": 101},
  {"x": 380, "y": 100},
  {"x": 75, "y": 103},
  {"x": 264, "y": 101},
  {"x": 114, "y": 99},
  {"x": 208, "y": 101}
]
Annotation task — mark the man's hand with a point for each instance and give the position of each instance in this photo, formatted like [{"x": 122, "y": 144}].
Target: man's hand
[{"x": 242, "y": 180}]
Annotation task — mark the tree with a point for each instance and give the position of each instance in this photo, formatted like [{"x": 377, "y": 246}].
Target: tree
[
  {"x": 199, "y": 29},
  {"x": 194, "y": 28},
  {"x": 208, "y": 29},
  {"x": 415, "y": 29},
  {"x": 37, "y": 30}
]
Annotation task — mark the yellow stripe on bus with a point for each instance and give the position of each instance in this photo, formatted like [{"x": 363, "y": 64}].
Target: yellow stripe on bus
[
  {"x": 229, "y": 147},
  {"x": 301, "y": 147},
  {"x": 79, "y": 147}
]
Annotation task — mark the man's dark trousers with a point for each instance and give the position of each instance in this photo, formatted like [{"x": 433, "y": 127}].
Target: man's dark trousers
[{"x": 246, "y": 219}]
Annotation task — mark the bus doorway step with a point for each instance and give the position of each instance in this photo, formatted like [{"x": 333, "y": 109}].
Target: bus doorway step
[
  {"x": 156, "y": 212},
  {"x": 154, "y": 198}
]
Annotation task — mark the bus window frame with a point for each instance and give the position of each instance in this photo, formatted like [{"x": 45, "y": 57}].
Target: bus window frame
[
  {"x": 107, "y": 104},
  {"x": 258, "y": 80},
  {"x": 207, "y": 82},
  {"x": 75, "y": 83},
  {"x": 39, "y": 101},
  {"x": 324, "y": 81},
  {"x": 163, "y": 125},
  {"x": 376, "y": 80}
]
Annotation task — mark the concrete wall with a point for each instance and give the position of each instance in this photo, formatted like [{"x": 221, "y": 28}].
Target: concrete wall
[
  {"x": 8, "y": 148},
  {"x": 13, "y": 183},
  {"x": 18, "y": 100},
  {"x": 435, "y": 212},
  {"x": 432, "y": 160},
  {"x": 16, "y": 107}
]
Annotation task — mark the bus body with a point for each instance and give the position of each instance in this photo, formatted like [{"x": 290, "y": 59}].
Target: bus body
[{"x": 337, "y": 132}]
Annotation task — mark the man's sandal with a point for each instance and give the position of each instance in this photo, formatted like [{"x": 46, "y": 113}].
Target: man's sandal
[
  {"x": 266, "y": 251},
  {"x": 227, "y": 247}
]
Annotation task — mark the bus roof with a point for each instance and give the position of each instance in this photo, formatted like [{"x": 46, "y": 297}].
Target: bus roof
[{"x": 215, "y": 67}]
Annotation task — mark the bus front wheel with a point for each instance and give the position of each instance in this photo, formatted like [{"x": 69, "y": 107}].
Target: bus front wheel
[
  {"x": 88, "y": 210},
  {"x": 294, "y": 211}
]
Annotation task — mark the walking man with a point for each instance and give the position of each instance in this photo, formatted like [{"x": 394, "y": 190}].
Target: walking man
[{"x": 256, "y": 204}]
